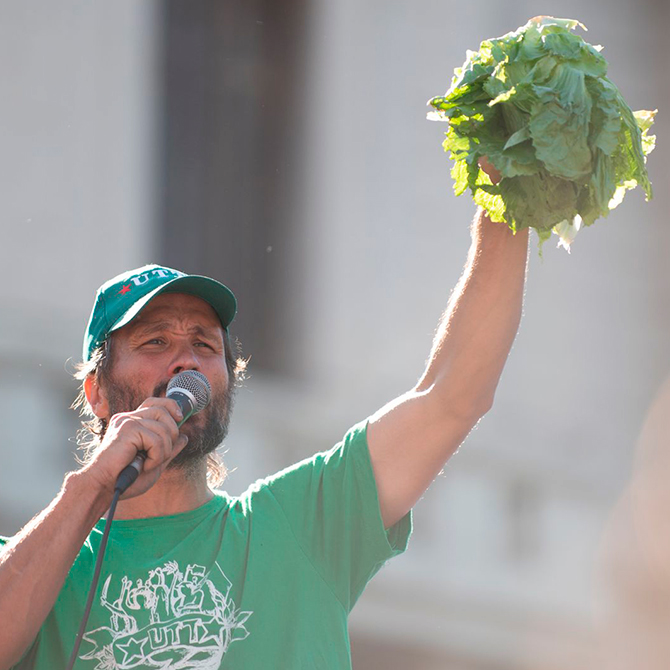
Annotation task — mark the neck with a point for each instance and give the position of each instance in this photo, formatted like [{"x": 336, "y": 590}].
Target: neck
[{"x": 173, "y": 493}]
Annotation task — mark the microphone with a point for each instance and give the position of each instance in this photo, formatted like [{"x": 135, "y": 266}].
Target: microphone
[{"x": 192, "y": 392}]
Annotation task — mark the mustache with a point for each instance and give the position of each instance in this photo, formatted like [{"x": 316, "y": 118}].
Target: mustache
[{"x": 160, "y": 390}]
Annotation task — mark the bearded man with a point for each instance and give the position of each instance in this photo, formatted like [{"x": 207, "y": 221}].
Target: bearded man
[{"x": 192, "y": 577}]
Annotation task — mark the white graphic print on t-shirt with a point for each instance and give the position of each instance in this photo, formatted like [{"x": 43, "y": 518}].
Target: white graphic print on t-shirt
[{"x": 173, "y": 619}]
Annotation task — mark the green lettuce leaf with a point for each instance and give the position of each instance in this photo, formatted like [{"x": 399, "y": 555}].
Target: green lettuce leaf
[{"x": 538, "y": 104}]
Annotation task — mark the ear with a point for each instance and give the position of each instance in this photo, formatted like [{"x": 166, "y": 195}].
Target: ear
[{"x": 96, "y": 397}]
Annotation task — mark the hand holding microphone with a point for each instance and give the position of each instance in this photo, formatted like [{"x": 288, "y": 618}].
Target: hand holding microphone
[{"x": 191, "y": 391}]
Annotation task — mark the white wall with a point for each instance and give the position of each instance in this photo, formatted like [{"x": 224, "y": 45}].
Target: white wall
[{"x": 78, "y": 135}]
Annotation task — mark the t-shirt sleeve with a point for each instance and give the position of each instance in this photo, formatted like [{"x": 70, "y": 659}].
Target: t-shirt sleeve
[{"x": 330, "y": 502}]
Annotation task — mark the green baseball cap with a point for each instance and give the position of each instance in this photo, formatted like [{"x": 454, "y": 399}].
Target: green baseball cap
[{"x": 119, "y": 300}]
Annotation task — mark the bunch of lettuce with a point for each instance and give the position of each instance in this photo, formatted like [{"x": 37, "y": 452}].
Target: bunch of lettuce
[{"x": 538, "y": 104}]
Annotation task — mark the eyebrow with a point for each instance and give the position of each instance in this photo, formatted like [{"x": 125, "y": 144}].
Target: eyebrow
[{"x": 158, "y": 326}]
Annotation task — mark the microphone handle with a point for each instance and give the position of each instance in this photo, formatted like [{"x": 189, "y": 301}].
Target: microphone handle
[{"x": 131, "y": 472}]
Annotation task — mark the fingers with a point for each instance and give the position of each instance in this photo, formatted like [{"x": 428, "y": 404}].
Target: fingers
[
  {"x": 150, "y": 431},
  {"x": 490, "y": 170},
  {"x": 159, "y": 413},
  {"x": 166, "y": 403},
  {"x": 153, "y": 429}
]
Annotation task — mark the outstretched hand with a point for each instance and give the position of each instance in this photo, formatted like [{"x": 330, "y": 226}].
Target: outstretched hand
[{"x": 493, "y": 174}]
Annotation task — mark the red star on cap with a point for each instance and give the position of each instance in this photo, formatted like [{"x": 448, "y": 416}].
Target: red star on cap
[{"x": 124, "y": 290}]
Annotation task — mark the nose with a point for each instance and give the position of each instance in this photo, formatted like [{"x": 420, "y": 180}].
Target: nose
[{"x": 185, "y": 359}]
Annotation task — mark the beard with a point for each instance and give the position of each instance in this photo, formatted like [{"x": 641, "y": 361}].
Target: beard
[{"x": 205, "y": 430}]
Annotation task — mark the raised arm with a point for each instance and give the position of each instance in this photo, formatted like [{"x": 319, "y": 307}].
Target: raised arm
[{"x": 412, "y": 437}]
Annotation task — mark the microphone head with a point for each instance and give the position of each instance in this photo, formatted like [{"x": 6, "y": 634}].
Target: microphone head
[{"x": 194, "y": 383}]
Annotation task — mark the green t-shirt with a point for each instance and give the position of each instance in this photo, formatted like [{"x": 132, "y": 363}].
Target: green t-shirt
[{"x": 265, "y": 580}]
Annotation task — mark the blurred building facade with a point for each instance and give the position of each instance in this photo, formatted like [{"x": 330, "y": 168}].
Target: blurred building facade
[{"x": 285, "y": 151}]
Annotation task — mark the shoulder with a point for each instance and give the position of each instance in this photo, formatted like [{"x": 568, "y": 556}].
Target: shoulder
[{"x": 351, "y": 451}]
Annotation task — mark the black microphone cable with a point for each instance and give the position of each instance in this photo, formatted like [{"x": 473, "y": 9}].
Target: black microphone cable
[{"x": 96, "y": 577}]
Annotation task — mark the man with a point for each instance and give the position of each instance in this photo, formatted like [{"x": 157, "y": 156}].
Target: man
[{"x": 193, "y": 578}]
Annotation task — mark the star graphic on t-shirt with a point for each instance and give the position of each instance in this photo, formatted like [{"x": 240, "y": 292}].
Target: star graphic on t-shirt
[
  {"x": 133, "y": 649},
  {"x": 124, "y": 290}
]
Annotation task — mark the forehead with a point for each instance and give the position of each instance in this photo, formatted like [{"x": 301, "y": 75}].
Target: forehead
[{"x": 177, "y": 308}]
